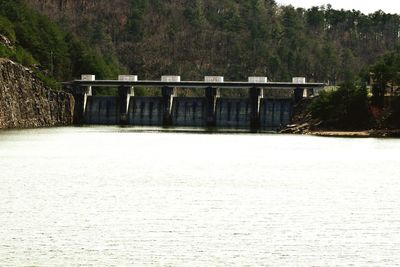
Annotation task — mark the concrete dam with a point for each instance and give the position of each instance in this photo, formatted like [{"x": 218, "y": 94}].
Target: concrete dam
[{"x": 258, "y": 110}]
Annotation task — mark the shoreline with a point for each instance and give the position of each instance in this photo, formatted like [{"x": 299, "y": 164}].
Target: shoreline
[
  {"x": 313, "y": 129},
  {"x": 372, "y": 133},
  {"x": 395, "y": 133},
  {"x": 356, "y": 134}
]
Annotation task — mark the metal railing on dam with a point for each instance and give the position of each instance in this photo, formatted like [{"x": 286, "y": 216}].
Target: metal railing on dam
[{"x": 258, "y": 110}]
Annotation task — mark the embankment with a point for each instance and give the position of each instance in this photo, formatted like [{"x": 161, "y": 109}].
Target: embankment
[
  {"x": 25, "y": 102},
  {"x": 304, "y": 123}
]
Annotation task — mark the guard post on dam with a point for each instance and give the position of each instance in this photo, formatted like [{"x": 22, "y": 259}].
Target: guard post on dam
[{"x": 261, "y": 109}]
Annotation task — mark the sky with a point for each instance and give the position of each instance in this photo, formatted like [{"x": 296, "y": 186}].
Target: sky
[{"x": 365, "y": 6}]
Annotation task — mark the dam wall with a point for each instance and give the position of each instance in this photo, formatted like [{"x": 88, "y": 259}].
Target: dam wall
[
  {"x": 146, "y": 111},
  {"x": 188, "y": 111},
  {"x": 102, "y": 110},
  {"x": 233, "y": 113},
  {"x": 268, "y": 105},
  {"x": 275, "y": 113}
]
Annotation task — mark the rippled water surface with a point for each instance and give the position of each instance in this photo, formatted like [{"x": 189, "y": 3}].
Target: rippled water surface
[{"x": 123, "y": 197}]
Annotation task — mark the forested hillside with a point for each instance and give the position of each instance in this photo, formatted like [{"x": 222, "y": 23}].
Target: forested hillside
[
  {"x": 54, "y": 54},
  {"x": 234, "y": 38}
]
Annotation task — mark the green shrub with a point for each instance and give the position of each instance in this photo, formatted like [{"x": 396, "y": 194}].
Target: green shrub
[
  {"x": 6, "y": 52},
  {"x": 345, "y": 108},
  {"x": 49, "y": 81},
  {"x": 393, "y": 120},
  {"x": 7, "y": 29},
  {"x": 24, "y": 57}
]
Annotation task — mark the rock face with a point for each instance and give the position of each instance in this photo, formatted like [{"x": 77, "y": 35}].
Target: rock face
[
  {"x": 25, "y": 102},
  {"x": 5, "y": 41}
]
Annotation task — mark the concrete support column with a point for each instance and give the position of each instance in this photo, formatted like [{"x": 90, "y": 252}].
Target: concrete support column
[
  {"x": 211, "y": 99},
  {"x": 255, "y": 95},
  {"x": 211, "y": 102},
  {"x": 299, "y": 91},
  {"x": 81, "y": 94},
  {"x": 309, "y": 92},
  {"x": 298, "y": 94},
  {"x": 124, "y": 94},
  {"x": 168, "y": 94},
  {"x": 79, "y": 109},
  {"x": 87, "y": 90}
]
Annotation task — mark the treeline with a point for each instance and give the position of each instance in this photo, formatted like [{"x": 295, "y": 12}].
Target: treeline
[
  {"x": 34, "y": 41},
  {"x": 229, "y": 37}
]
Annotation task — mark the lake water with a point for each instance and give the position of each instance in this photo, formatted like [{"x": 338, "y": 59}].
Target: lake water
[{"x": 106, "y": 196}]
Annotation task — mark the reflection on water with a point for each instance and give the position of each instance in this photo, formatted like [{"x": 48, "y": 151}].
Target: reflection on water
[{"x": 108, "y": 196}]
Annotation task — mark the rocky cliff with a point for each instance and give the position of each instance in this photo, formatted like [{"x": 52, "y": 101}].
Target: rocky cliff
[{"x": 26, "y": 102}]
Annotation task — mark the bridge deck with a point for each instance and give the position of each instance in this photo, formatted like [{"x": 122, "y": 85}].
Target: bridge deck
[{"x": 194, "y": 84}]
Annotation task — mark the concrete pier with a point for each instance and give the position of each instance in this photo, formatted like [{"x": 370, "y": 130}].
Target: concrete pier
[
  {"x": 299, "y": 91},
  {"x": 88, "y": 89},
  {"x": 168, "y": 94},
  {"x": 81, "y": 94},
  {"x": 79, "y": 108},
  {"x": 298, "y": 94},
  {"x": 255, "y": 96},
  {"x": 211, "y": 94},
  {"x": 309, "y": 92},
  {"x": 125, "y": 93},
  {"x": 124, "y": 96},
  {"x": 211, "y": 102}
]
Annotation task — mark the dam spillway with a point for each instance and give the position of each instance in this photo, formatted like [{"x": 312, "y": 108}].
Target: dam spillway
[
  {"x": 258, "y": 110},
  {"x": 145, "y": 111},
  {"x": 102, "y": 110},
  {"x": 189, "y": 111}
]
